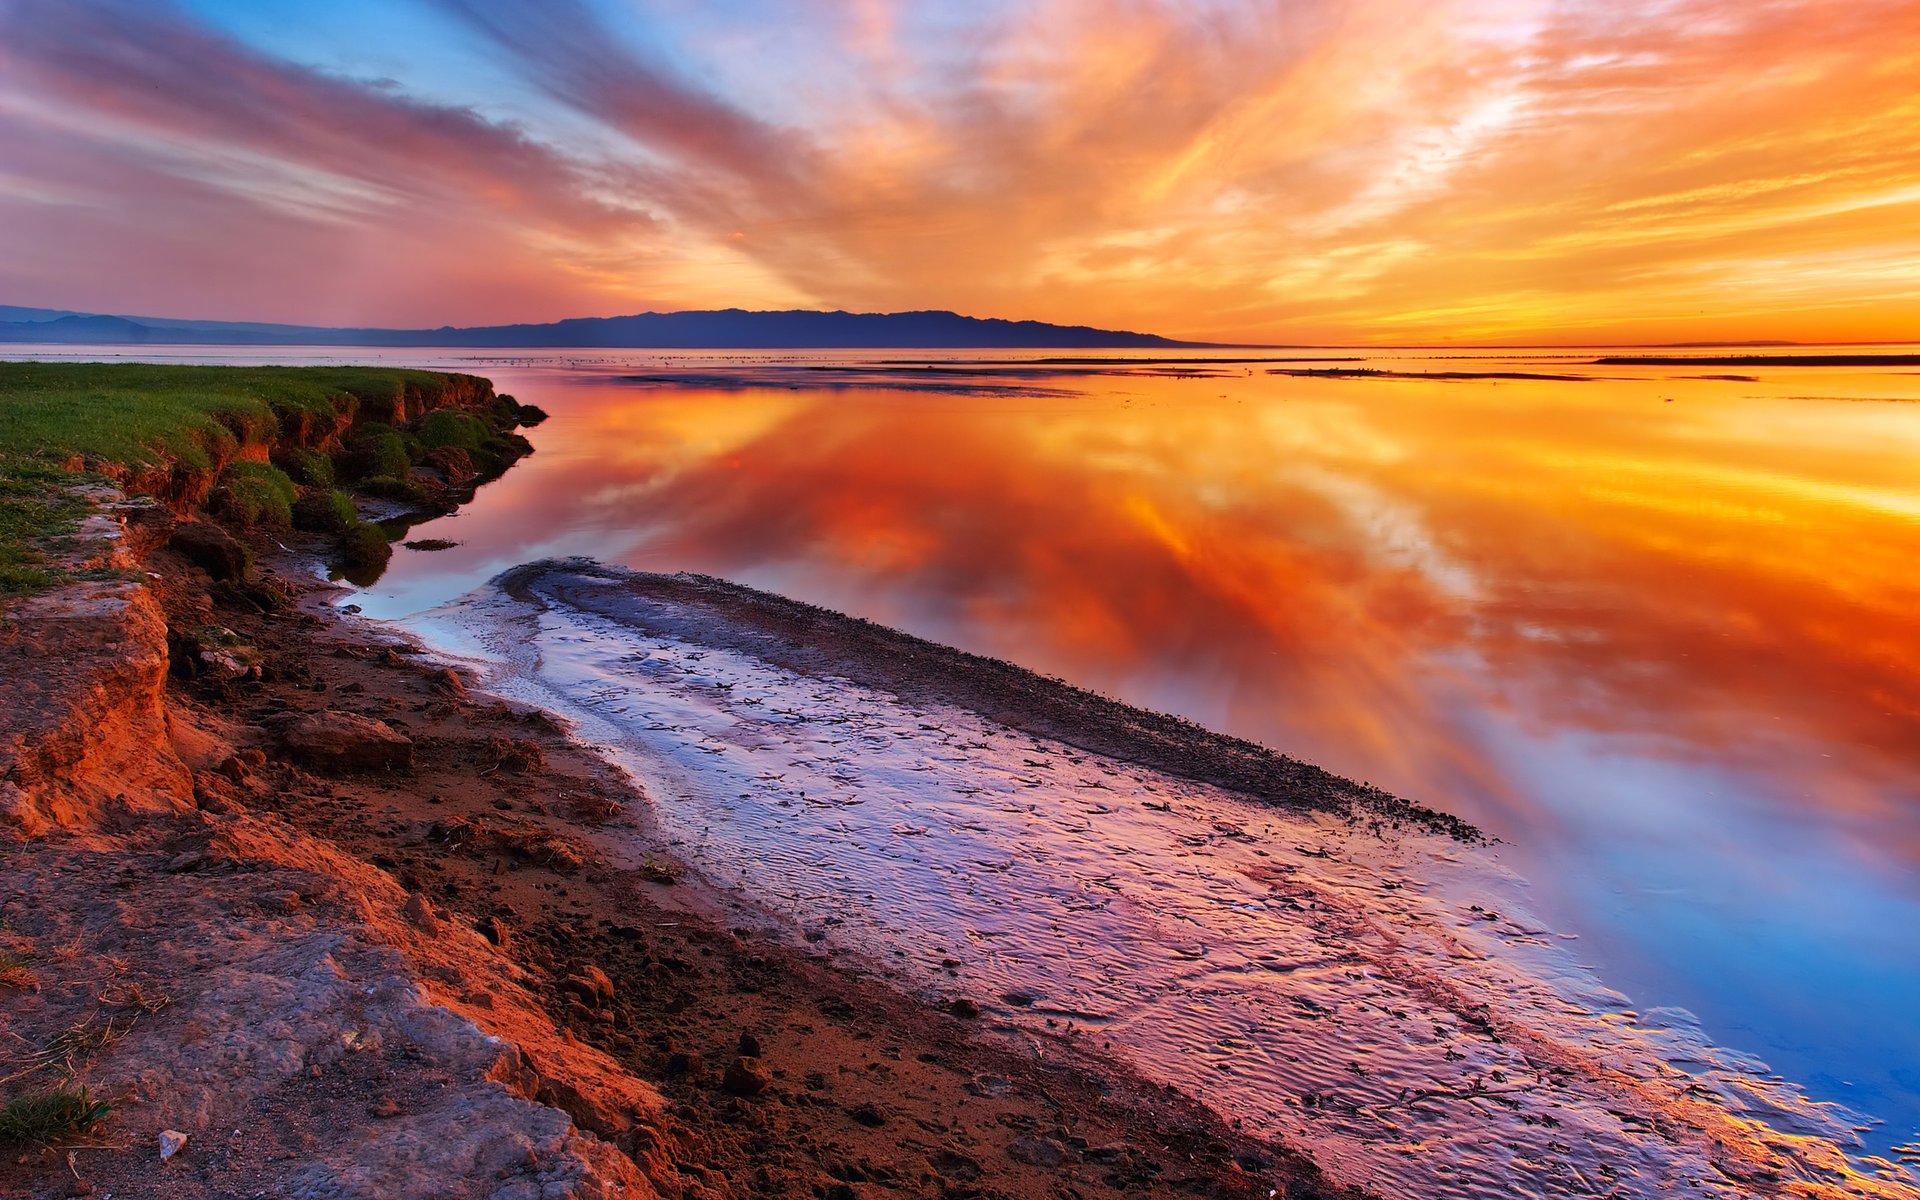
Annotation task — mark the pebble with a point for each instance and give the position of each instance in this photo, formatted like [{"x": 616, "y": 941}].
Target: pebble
[
  {"x": 419, "y": 913},
  {"x": 686, "y": 1062},
  {"x": 746, "y": 1077},
  {"x": 172, "y": 1141},
  {"x": 591, "y": 985},
  {"x": 1037, "y": 1151}
]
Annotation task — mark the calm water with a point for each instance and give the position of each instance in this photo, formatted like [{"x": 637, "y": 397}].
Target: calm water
[{"x": 1658, "y": 631}]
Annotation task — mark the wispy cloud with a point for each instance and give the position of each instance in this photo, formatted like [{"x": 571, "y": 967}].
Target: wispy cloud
[{"x": 1472, "y": 168}]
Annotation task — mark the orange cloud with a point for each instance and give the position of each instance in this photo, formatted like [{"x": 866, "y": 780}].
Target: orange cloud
[{"x": 1314, "y": 171}]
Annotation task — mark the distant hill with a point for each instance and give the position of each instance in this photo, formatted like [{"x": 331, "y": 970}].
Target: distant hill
[{"x": 725, "y": 329}]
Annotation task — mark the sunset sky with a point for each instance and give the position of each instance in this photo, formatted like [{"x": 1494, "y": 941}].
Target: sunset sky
[{"x": 1286, "y": 171}]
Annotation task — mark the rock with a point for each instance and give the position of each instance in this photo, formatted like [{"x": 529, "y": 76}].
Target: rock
[
  {"x": 949, "y": 1163},
  {"x": 211, "y": 548},
  {"x": 746, "y": 1076},
  {"x": 988, "y": 1085},
  {"x": 495, "y": 930},
  {"x": 234, "y": 767},
  {"x": 344, "y": 741},
  {"x": 172, "y": 1141},
  {"x": 868, "y": 1114},
  {"x": 591, "y": 985},
  {"x": 964, "y": 1008},
  {"x": 1251, "y": 1161},
  {"x": 385, "y": 1108},
  {"x": 1037, "y": 1151},
  {"x": 447, "y": 682},
  {"x": 214, "y": 653},
  {"x": 419, "y": 914},
  {"x": 686, "y": 1062},
  {"x": 452, "y": 461},
  {"x": 749, "y": 1044},
  {"x": 1018, "y": 999}
]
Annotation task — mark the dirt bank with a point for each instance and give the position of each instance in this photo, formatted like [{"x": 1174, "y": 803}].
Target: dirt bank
[{"x": 356, "y": 959}]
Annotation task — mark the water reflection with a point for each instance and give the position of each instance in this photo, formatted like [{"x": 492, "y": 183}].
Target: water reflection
[{"x": 1659, "y": 633}]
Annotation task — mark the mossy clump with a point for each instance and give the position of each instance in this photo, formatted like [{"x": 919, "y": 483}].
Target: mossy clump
[
  {"x": 256, "y": 493},
  {"x": 405, "y": 491},
  {"x": 328, "y": 510},
  {"x": 449, "y": 427},
  {"x": 376, "y": 450},
  {"x": 308, "y": 468},
  {"x": 48, "y": 1116},
  {"x": 364, "y": 550}
]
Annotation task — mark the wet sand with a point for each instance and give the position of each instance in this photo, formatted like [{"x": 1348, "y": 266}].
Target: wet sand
[{"x": 1337, "y": 970}]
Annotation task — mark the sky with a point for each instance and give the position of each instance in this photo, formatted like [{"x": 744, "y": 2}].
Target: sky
[{"x": 1290, "y": 171}]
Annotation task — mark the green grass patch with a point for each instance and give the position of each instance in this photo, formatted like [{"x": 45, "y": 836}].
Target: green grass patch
[
  {"x": 364, "y": 552},
  {"x": 308, "y": 468},
  {"x": 378, "y": 451},
  {"x": 138, "y": 414},
  {"x": 328, "y": 511},
  {"x": 36, "y": 511},
  {"x": 449, "y": 427},
  {"x": 256, "y": 493},
  {"x": 51, "y": 1115},
  {"x": 386, "y": 487},
  {"x": 54, "y": 416}
]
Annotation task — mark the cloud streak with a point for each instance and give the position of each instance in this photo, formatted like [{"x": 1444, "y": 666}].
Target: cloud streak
[{"x": 1480, "y": 169}]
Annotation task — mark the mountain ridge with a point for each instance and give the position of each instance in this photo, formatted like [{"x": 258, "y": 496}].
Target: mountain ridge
[{"x": 705, "y": 329}]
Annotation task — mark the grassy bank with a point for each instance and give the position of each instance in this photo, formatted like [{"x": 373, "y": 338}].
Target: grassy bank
[{"x": 256, "y": 446}]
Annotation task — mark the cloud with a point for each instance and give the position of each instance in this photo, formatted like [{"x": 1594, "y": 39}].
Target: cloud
[
  {"x": 1222, "y": 168},
  {"x": 137, "y": 137}
]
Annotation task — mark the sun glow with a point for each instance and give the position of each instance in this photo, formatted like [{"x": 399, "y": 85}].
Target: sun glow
[{"x": 1466, "y": 170}]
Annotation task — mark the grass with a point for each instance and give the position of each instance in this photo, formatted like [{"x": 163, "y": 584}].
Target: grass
[
  {"x": 256, "y": 493},
  {"x": 378, "y": 450},
  {"x": 75, "y": 1046},
  {"x": 452, "y": 428},
  {"x": 364, "y": 547},
  {"x": 56, "y": 418},
  {"x": 51, "y": 1115},
  {"x": 16, "y": 972},
  {"x": 328, "y": 511},
  {"x": 138, "y": 413},
  {"x": 388, "y": 487},
  {"x": 308, "y": 468},
  {"x": 35, "y": 511}
]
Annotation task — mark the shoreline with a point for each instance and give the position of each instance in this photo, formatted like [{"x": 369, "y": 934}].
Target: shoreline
[
  {"x": 818, "y": 641},
  {"x": 509, "y": 884},
  {"x": 499, "y": 1000},
  {"x": 1584, "y": 1080}
]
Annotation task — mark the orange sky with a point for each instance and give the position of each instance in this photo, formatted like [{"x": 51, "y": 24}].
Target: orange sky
[{"x": 1468, "y": 170}]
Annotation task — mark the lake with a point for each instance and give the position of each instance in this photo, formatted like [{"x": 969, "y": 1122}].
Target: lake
[{"x": 1657, "y": 628}]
